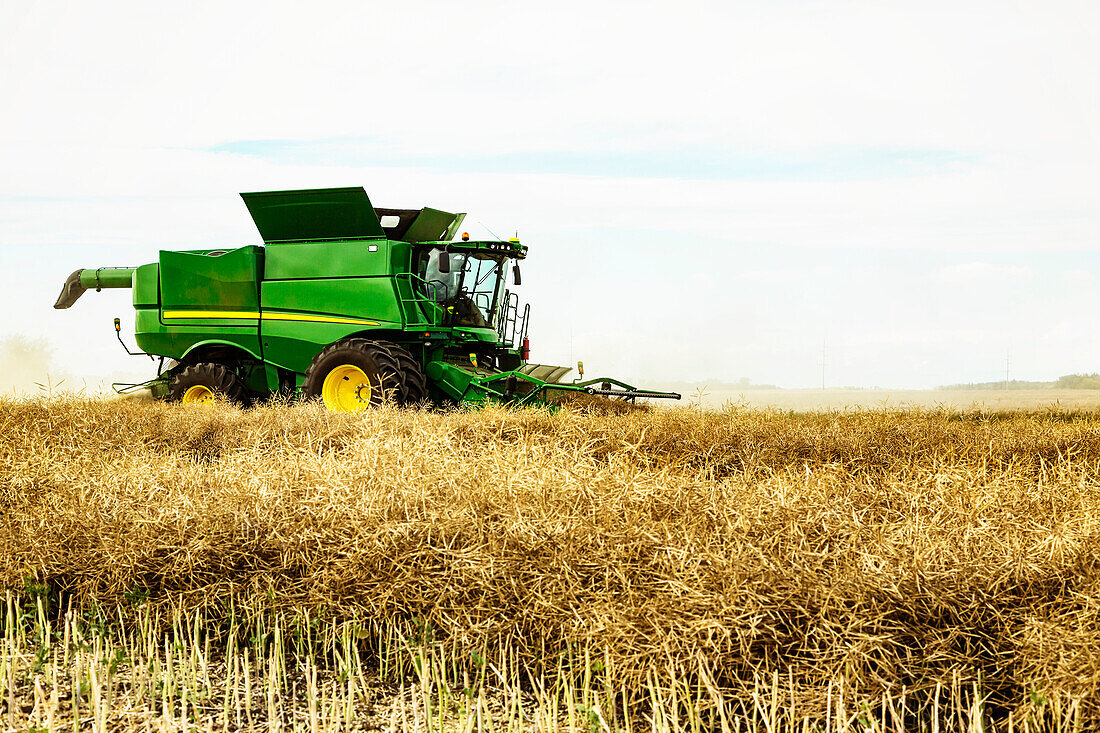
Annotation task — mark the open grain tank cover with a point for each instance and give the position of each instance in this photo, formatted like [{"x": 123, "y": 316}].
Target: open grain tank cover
[
  {"x": 419, "y": 225},
  {"x": 318, "y": 213}
]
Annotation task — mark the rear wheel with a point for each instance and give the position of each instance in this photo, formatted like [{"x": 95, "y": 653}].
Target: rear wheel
[
  {"x": 202, "y": 383},
  {"x": 354, "y": 374}
]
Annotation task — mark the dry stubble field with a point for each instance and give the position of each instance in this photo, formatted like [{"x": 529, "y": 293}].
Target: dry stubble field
[
  {"x": 896, "y": 399},
  {"x": 283, "y": 567}
]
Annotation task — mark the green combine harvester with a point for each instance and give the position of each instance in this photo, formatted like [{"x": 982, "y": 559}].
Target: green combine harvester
[{"x": 345, "y": 302}]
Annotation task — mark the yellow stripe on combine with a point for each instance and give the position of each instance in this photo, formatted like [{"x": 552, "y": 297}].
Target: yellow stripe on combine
[
  {"x": 267, "y": 316},
  {"x": 211, "y": 314}
]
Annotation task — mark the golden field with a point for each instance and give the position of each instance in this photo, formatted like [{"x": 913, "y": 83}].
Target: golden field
[{"x": 171, "y": 567}]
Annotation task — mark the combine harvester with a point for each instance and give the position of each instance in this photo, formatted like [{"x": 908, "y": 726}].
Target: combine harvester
[{"x": 345, "y": 302}]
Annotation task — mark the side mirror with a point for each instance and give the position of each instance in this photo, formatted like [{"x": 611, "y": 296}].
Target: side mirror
[
  {"x": 444, "y": 262},
  {"x": 515, "y": 274}
]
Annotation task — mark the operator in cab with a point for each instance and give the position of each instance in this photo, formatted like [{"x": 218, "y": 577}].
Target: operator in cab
[{"x": 447, "y": 289}]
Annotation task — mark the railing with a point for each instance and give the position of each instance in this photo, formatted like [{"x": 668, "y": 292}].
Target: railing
[
  {"x": 421, "y": 303},
  {"x": 422, "y": 309},
  {"x": 523, "y": 323},
  {"x": 512, "y": 328},
  {"x": 508, "y": 303}
]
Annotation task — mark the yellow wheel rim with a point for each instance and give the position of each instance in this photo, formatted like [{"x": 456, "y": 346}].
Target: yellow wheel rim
[
  {"x": 198, "y": 393},
  {"x": 346, "y": 389}
]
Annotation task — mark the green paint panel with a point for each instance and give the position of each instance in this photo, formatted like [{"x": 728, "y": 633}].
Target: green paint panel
[
  {"x": 292, "y": 344},
  {"x": 400, "y": 257},
  {"x": 147, "y": 286},
  {"x": 307, "y": 260},
  {"x": 359, "y": 298},
  {"x": 321, "y": 213},
  {"x": 174, "y": 341},
  {"x": 210, "y": 281},
  {"x": 430, "y": 226},
  {"x": 148, "y": 331},
  {"x": 485, "y": 335}
]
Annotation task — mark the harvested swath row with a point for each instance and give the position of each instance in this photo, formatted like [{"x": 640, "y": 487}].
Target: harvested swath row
[
  {"x": 884, "y": 549},
  {"x": 739, "y": 440}
]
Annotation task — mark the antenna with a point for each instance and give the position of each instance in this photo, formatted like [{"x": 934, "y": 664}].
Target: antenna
[{"x": 491, "y": 231}]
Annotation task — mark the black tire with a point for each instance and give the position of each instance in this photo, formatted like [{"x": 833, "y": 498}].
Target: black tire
[
  {"x": 414, "y": 383},
  {"x": 216, "y": 378},
  {"x": 373, "y": 358}
]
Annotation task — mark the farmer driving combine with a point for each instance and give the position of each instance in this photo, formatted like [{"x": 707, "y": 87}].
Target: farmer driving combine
[{"x": 467, "y": 289}]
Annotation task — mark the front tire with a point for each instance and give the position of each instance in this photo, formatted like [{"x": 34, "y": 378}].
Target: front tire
[
  {"x": 354, "y": 374},
  {"x": 204, "y": 382}
]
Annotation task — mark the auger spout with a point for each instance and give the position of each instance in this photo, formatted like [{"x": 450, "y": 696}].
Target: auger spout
[{"x": 99, "y": 278}]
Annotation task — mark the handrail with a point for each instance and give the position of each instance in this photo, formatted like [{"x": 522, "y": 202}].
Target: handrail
[
  {"x": 506, "y": 328},
  {"x": 512, "y": 328},
  {"x": 525, "y": 322},
  {"x": 511, "y": 323},
  {"x": 433, "y": 312}
]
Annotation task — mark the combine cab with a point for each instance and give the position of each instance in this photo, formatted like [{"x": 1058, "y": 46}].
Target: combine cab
[{"x": 345, "y": 302}]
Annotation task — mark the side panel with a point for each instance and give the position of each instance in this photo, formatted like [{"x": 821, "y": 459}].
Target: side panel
[
  {"x": 204, "y": 297},
  {"x": 147, "y": 286},
  {"x": 228, "y": 281},
  {"x": 307, "y": 260},
  {"x": 154, "y": 337},
  {"x": 301, "y": 317},
  {"x": 149, "y": 332}
]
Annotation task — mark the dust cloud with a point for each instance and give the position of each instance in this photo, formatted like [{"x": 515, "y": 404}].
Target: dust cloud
[{"x": 26, "y": 367}]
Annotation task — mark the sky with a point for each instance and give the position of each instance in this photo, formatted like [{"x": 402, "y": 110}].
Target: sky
[{"x": 710, "y": 191}]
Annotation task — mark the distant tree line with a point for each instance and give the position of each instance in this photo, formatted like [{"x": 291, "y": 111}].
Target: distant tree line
[
  {"x": 1068, "y": 381},
  {"x": 1078, "y": 381}
]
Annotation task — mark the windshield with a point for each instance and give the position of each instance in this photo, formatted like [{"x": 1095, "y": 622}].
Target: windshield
[{"x": 470, "y": 290}]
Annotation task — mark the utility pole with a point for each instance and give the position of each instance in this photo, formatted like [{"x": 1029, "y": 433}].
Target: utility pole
[
  {"x": 823, "y": 342},
  {"x": 1006, "y": 367}
]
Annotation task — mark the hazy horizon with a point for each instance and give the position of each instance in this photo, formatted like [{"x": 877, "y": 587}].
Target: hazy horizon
[{"x": 28, "y": 367}]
